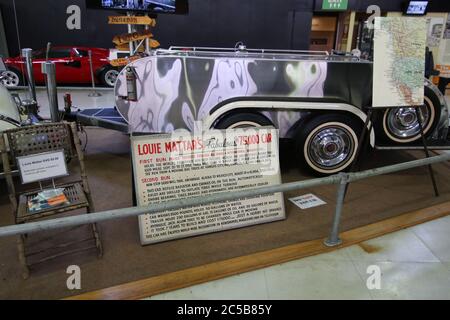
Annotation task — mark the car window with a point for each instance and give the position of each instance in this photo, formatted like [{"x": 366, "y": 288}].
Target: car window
[
  {"x": 60, "y": 53},
  {"x": 38, "y": 54},
  {"x": 82, "y": 53}
]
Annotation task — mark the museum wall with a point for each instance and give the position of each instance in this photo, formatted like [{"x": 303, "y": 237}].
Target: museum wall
[
  {"x": 283, "y": 24},
  {"x": 259, "y": 23}
]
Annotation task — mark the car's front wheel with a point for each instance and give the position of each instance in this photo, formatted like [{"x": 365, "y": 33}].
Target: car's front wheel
[
  {"x": 108, "y": 77},
  {"x": 12, "y": 78}
]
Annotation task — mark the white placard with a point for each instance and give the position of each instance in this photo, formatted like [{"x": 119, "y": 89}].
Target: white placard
[
  {"x": 399, "y": 61},
  {"x": 170, "y": 167},
  {"x": 307, "y": 201},
  {"x": 42, "y": 166}
]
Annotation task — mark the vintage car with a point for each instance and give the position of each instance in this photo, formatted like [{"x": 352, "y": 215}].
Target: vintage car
[
  {"x": 72, "y": 67},
  {"x": 318, "y": 101}
]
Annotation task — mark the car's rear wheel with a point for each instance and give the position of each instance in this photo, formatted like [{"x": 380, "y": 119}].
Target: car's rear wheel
[
  {"x": 401, "y": 125},
  {"x": 12, "y": 78},
  {"x": 108, "y": 77},
  {"x": 327, "y": 144}
]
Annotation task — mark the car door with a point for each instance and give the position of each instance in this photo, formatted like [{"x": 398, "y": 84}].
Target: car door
[
  {"x": 67, "y": 64},
  {"x": 38, "y": 60},
  {"x": 82, "y": 55}
]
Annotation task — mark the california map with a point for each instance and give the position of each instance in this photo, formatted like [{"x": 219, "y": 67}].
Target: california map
[{"x": 399, "y": 61}]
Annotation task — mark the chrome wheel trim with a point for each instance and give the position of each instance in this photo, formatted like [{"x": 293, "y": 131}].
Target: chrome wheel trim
[
  {"x": 111, "y": 77},
  {"x": 331, "y": 147},
  {"x": 401, "y": 125},
  {"x": 11, "y": 79},
  {"x": 244, "y": 124}
]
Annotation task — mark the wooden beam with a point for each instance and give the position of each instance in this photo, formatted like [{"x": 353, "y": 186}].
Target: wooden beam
[{"x": 186, "y": 278}]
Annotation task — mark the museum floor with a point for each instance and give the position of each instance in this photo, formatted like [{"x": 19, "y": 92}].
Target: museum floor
[{"x": 415, "y": 262}]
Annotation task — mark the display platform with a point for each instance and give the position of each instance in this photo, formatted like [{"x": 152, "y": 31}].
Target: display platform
[
  {"x": 109, "y": 168},
  {"x": 108, "y": 118}
]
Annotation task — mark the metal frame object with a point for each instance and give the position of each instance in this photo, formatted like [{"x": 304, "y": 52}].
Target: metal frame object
[
  {"x": 27, "y": 54},
  {"x": 342, "y": 179},
  {"x": 49, "y": 69}
]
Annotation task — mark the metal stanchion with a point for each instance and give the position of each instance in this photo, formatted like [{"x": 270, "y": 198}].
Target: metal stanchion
[
  {"x": 333, "y": 240},
  {"x": 27, "y": 54},
  {"x": 49, "y": 69},
  {"x": 94, "y": 92},
  {"x": 147, "y": 41}
]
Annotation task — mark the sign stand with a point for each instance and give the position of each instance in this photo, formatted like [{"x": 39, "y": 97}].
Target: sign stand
[
  {"x": 364, "y": 142},
  {"x": 94, "y": 92}
]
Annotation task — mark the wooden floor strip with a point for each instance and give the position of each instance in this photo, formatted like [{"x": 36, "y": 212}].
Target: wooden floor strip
[{"x": 185, "y": 278}]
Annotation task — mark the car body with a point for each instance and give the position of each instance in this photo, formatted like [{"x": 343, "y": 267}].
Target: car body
[
  {"x": 72, "y": 66},
  {"x": 316, "y": 100}
]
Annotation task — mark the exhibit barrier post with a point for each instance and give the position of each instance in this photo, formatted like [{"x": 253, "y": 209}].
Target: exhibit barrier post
[
  {"x": 94, "y": 92},
  {"x": 49, "y": 69},
  {"x": 334, "y": 240},
  {"x": 27, "y": 54}
]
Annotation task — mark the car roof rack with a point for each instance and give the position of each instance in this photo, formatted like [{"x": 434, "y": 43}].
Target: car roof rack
[{"x": 241, "y": 50}]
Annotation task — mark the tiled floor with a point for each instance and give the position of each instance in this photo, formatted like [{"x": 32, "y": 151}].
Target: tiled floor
[{"x": 414, "y": 264}]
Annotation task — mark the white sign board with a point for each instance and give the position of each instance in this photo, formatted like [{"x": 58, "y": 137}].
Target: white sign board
[
  {"x": 42, "y": 166},
  {"x": 170, "y": 167},
  {"x": 307, "y": 201},
  {"x": 399, "y": 61}
]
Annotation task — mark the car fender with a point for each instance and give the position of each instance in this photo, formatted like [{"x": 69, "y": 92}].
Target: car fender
[{"x": 272, "y": 104}]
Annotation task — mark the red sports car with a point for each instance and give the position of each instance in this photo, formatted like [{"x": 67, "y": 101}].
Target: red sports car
[{"x": 72, "y": 67}]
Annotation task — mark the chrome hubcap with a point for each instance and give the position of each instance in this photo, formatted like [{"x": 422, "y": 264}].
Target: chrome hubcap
[
  {"x": 331, "y": 147},
  {"x": 10, "y": 79},
  {"x": 403, "y": 122},
  {"x": 111, "y": 77}
]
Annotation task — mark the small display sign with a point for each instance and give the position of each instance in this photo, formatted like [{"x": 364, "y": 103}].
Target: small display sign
[
  {"x": 307, "y": 201},
  {"x": 334, "y": 4},
  {"x": 42, "y": 166}
]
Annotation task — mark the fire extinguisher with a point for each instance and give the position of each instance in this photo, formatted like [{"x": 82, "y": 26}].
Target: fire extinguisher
[{"x": 131, "y": 84}]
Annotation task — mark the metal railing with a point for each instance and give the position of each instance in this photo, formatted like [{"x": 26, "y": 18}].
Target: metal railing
[{"x": 342, "y": 180}]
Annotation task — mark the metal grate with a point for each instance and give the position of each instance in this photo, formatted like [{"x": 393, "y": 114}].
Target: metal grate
[{"x": 40, "y": 138}]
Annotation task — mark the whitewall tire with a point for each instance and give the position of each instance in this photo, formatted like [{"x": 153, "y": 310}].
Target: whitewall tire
[{"x": 328, "y": 144}]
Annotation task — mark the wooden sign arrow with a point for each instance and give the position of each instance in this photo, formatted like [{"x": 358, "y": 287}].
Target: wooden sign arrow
[
  {"x": 141, "y": 20},
  {"x": 121, "y": 62},
  {"x": 128, "y": 37},
  {"x": 125, "y": 47}
]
